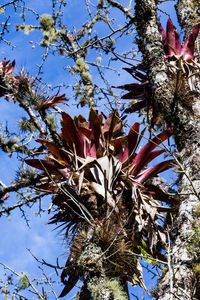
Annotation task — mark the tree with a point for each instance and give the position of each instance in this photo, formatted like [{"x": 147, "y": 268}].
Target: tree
[{"x": 105, "y": 194}]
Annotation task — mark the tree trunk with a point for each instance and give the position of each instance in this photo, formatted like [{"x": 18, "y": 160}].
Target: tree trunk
[
  {"x": 180, "y": 280},
  {"x": 96, "y": 284}
]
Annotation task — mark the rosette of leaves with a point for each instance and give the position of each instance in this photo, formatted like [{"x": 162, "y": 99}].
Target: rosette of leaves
[
  {"x": 7, "y": 79},
  {"x": 103, "y": 195},
  {"x": 183, "y": 69},
  {"x": 183, "y": 64}
]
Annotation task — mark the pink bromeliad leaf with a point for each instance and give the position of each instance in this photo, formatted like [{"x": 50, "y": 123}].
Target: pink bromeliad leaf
[
  {"x": 172, "y": 43},
  {"x": 173, "y": 39},
  {"x": 6, "y": 66},
  {"x": 152, "y": 155},
  {"x": 144, "y": 155},
  {"x": 188, "y": 47},
  {"x": 153, "y": 171}
]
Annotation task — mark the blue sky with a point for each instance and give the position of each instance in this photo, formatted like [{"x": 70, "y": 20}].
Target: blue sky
[{"x": 43, "y": 241}]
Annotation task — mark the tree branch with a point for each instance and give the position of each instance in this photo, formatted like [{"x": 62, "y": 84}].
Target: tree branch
[
  {"x": 123, "y": 9},
  {"x": 17, "y": 185},
  {"x": 187, "y": 13},
  {"x": 152, "y": 49}
]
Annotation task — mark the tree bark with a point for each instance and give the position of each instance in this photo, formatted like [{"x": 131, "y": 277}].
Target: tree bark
[
  {"x": 179, "y": 281},
  {"x": 187, "y": 13},
  {"x": 97, "y": 285}
]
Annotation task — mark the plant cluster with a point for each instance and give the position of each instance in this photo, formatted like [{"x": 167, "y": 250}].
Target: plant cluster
[{"x": 102, "y": 190}]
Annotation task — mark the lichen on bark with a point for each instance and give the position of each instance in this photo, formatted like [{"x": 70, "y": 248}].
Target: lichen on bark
[
  {"x": 187, "y": 13},
  {"x": 97, "y": 285},
  {"x": 151, "y": 47}
]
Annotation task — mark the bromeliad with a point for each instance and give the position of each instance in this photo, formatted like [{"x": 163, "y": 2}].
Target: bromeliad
[
  {"x": 103, "y": 192},
  {"x": 181, "y": 59},
  {"x": 182, "y": 64},
  {"x": 7, "y": 80}
]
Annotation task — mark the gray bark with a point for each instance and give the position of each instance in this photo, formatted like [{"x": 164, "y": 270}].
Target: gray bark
[
  {"x": 179, "y": 281},
  {"x": 187, "y": 13}
]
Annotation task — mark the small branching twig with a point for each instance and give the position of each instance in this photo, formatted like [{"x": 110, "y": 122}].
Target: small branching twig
[
  {"x": 49, "y": 283},
  {"x": 30, "y": 283}
]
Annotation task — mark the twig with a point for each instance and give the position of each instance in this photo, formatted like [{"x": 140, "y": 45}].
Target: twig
[
  {"x": 11, "y": 2},
  {"x": 43, "y": 262},
  {"x": 122, "y": 8},
  {"x": 30, "y": 283},
  {"x": 18, "y": 185},
  {"x": 20, "y": 204},
  {"x": 49, "y": 283}
]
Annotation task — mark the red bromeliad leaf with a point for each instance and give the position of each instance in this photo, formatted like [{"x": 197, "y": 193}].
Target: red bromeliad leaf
[
  {"x": 49, "y": 102},
  {"x": 172, "y": 43},
  {"x": 173, "y": 39},
  {"x": 46, "y": 187},
  {"x": 143, "y": 155},
  {"x": 112, "y": 126},
  {"x": 159, "y": 194},
  {"x": 129, "y": 142},
  {"x": 152, "y": 171},
  {"x": 95, "y": 123},
  {"x": 53, "y": 149},
  {"x": 65, "y": 157},
  {"x": 118, "y": 146},
  {"x": 133, "y": 137},
  {"x": 47, "y": 166},
  {"x": 72, "y": 136},
  {"x": 188, "y": 47},
  {"x": 6, "y": 66},
  {"x": 153, "y": 155},
  {"x": 81, "y": 122},
  {"x": 85, "y": 132},
  {"x": 137, "y": 90},
  {"x": 136, "y": 106},
  {"x": 43, "y": 165},
  {"x": 136, "y": 74},
  {"x": 82, "y": 126}
]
